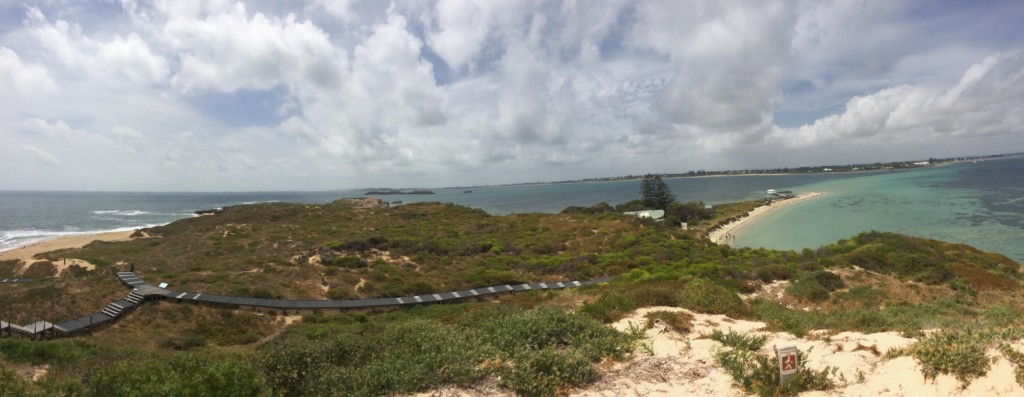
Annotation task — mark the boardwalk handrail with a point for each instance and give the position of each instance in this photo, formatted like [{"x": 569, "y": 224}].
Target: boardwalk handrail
[{"x": 142, "y": 290}]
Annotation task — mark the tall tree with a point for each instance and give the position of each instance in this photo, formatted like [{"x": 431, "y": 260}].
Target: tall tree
[{"x": 655, "y": 192}]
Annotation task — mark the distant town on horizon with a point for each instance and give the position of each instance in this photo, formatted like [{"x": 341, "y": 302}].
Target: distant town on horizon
[{"x": 862, "y": 167}]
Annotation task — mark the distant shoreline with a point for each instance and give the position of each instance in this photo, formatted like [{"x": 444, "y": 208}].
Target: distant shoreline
[{"x": 727, "y": 233}]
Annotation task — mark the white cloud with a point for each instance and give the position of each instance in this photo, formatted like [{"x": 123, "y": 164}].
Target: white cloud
[
  {"x": 987, "y": 100},
  {"x": 231, "y": 95},
  {"x": 124, "y": 133},
  {"x": 463, "y": 27},
  {"x": 19, "y": 77},
  {"x": 341, "y": 9},
  {"x": 42, "y": 156},
  {"x": 113, "y": 60},
  {"x": 232, "y": 50},
  {"x": 729, "y": 58}
]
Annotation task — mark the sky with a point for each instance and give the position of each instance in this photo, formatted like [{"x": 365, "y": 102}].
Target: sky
[{"x": 216, "y": 95}]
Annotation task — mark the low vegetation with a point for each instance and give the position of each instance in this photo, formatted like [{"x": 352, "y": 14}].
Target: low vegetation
[
  {"x": 538, "y": 343},
  {"x": 758, "y": 373},
  {"x": 964, "y": 353}
]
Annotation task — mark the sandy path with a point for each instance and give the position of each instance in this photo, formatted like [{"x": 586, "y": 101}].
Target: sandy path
[{"x": 721, "y": 236}]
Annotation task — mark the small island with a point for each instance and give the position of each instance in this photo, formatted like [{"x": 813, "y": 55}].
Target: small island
[{"x": 384, "y": 192}]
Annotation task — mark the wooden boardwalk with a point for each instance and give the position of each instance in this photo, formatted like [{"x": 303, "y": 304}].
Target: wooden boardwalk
[{"x": 142, "y": 291}]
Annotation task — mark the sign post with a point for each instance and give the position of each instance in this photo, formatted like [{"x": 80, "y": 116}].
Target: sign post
[{"x": 787, "y": 364}]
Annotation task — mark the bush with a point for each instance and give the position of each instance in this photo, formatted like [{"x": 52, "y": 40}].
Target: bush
[
  {"x": 608, "y": 307},
  {"x": 53, "y": 352},
  {"x": 655, "y": 293},
  {"x": 537, "y": 352},
  {"x": 740, "y": 341},
  {"x": 704, "y": 296},
  {"x": 181, "y": 375},
  {"x": 40, "y": 269},
  {"x": 184, "y": 342},
  {"x": 544, "y": 373},
  {"x": 350, "y": 261},
  {"x": 759, "y": 374},
  {"x": 680, "y": 322},
  {"x": 815, "y": 286},
  {"x": 772, "y": 272},
  {"x": 958, "y": 353}
]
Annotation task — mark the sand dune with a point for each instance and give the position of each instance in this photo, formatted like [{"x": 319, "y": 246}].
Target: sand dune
[{"x": 684, "y": 365}]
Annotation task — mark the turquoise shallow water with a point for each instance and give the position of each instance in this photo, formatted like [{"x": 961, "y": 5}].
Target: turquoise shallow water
[{"x": 981, "y": 204}]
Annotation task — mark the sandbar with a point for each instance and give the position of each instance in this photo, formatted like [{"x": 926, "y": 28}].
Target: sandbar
[{"x": 726, "y": 234}]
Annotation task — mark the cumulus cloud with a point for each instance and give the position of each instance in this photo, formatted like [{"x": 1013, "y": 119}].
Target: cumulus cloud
[
  {"x": 728, "y": 59},
  {"x": 118, "y": 58},
  {"x": 455, "y": 92},
  {"x": 987, "y": 100},
  {"x": 232, "y": 50},
  {"x": 16, "y": 76}
]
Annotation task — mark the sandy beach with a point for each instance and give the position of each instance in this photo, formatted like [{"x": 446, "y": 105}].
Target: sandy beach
[
  {"x": 724, "y": 233},
  {"x": 27, "y": 253}
]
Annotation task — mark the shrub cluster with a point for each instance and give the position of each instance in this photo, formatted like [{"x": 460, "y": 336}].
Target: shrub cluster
[
  {"x": 759, "y": 374},
  {"x": 535, "y": 352},
  {"x": 964, "y": 353},
  {"x": 739, "y": 341},
  {"x": 815, "y": 286}
]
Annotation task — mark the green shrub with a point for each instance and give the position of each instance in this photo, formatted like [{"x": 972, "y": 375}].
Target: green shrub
[
  {"x": 547, "y": 371},
  {"x": 181, "y": 375},
  {"x": 680, "y": 322},
  {"x": 759, "y": 374},
  {"x": 740, "y": 341},
  {"x": 408, "y": 351},
  {"x": 608, "y": 307},
  {"x": 958, "y": 353},
  {"x": 655, "y": 293},
  {"x": 815, "y": 286},
  {"x": 864, "y": 295},
  {"x": 40, "y": 269},
  {"x": 184, "y": 342},
  {"x": 53, "y": 352},
  {"x": 351, "y": 262},
  {"x": 704, "y": 296},
  {"x": 772, "y": 272},
  {"x": 1016, "y": 358}
]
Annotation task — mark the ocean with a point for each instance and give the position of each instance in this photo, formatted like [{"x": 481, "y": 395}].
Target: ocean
[{"x": 975, "y": 203}]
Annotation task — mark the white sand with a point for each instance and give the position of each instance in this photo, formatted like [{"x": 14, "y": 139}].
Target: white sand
[
  {"x": 719, "y": 236},
  {"x": 685, "y": 365}
]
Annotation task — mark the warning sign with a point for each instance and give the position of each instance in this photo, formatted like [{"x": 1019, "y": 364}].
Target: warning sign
[{"x": 787, "y": 363}]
